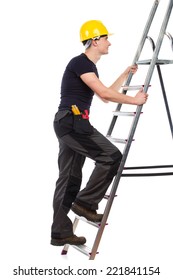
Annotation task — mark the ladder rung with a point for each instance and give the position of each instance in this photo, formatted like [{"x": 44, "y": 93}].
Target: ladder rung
[
  {"x": 97, "y": 225},
  {"x": 138, "y": 87},
  {"x": 158, "y": 61},
  {"x": 83, "y": 249},
  {"x": 117, "y": 140},
  {"x": 119, "y": 113}
]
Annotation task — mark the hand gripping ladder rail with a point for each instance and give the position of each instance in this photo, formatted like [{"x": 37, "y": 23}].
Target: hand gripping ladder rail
[{"x": 91, "y": 253}]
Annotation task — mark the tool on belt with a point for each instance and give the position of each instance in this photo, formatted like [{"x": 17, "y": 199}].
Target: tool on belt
[{"x": 76, "y": 111}]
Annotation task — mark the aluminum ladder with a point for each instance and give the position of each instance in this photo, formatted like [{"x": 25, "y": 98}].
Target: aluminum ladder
[{"x": 91, "y": 252}]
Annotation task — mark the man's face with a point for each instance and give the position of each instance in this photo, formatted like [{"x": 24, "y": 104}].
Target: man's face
[{"x": 103, "y": 45}]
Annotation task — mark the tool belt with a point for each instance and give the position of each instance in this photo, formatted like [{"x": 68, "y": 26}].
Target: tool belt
[{"x": 70, "y": 121}]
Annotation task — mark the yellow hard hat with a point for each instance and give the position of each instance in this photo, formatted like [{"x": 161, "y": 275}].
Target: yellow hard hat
[{"x": 91, "y": 29}]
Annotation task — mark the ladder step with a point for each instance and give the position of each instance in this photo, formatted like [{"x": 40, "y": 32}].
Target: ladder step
[
  {"x": 97, "y": 225},
  {"x": 119, "y": 113},
  {"x": 158, "y": 62},
  {"x": 83, "y": 249},
  {"x": 117, "y": 140},
  {"x": 137, "y": 87}
]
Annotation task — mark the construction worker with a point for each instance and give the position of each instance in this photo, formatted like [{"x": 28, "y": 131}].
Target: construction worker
[{"x": 78, "y": 139}]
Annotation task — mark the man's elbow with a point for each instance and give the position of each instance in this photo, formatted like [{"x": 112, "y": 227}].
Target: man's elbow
[{"x": 104, "y": 95}]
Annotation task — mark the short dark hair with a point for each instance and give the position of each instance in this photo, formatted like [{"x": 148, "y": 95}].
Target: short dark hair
[{"x": 84, "y": 42}]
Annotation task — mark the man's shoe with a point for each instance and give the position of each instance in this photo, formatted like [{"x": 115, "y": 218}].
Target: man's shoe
[
  {"x": 72, "y": 240},
  {"x": 90, "y": 215}
]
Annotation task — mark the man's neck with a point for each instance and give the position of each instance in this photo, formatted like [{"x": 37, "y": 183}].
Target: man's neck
[{"x": 93, "y": 56}]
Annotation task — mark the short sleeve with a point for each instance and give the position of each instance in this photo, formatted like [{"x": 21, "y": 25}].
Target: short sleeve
[{"x": 81, "y": 65}]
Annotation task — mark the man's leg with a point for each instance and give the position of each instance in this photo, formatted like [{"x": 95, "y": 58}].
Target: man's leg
[
  {"x": 67, "y": 186},
  {"x": 107, "y": 158}
]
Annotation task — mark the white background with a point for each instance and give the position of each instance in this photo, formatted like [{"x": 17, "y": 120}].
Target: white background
[{"x": 38, "y": 37}]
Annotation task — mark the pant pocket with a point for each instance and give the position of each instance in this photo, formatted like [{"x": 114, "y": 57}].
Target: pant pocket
[
  {"x": 81, "y": 125},
  {"x": 63, "y": 123}
]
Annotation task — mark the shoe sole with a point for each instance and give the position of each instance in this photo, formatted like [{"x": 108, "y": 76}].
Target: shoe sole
[{"x": 55, "y": 243}]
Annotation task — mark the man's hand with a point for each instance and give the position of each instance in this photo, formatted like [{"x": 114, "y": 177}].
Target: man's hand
[
  {"x": 131, "y": 69},
  {"x": 141, "y": 97}
]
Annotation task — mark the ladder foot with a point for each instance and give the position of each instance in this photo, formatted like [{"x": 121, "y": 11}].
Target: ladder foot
[{"x": 64, "y": 252}]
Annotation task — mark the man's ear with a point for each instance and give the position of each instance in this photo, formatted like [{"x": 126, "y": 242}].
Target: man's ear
[{"x": 94, "y": 42}]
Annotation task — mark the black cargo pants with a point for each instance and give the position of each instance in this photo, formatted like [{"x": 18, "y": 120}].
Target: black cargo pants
[{"x": 78, "y": 140}]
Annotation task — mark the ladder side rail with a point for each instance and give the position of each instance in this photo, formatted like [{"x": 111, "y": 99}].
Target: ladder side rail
[
  {"x": 132, "y": 131},
  {"x": 163, "y": 89},
  {"x": 137, "y": 55},
  {"x": 145, "y": 32},
  {"x": 158, "y": 45}
]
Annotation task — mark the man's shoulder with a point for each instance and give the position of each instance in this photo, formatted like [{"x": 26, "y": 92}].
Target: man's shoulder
[
  {"x": 81, "y": 64},
  {"x": 80, "y": 57}
]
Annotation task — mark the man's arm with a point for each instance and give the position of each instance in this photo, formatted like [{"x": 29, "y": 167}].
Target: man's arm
[
  {"x": 123, "y": 77},
  {"x": 111, "y": 93}
]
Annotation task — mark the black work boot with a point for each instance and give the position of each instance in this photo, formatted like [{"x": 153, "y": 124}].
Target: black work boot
[
  {"x": 90, "y": 215},
  {"x": 72, "y": 240}
]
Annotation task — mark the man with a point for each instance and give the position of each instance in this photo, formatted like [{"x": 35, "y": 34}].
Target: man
[{"x": 78, "y": 139}]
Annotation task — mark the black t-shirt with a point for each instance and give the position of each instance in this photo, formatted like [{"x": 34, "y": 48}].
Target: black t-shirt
[{"x": 73, "y": 90}]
